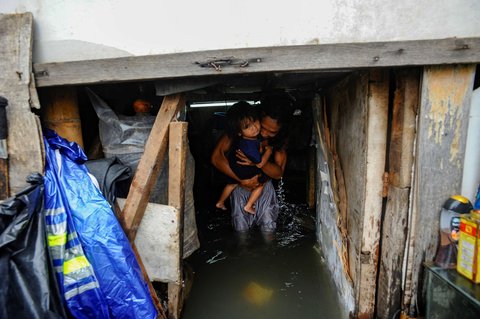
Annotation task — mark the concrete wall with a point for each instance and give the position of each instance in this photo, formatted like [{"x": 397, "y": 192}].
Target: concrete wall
[{"x": 67, "y": 30}]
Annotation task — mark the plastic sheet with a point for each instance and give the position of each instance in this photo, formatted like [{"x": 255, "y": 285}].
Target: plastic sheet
[
  {"x": 124, "y": 137},
  {"x": 105, "y": 245},
  {"x": 28, "y": 288}
]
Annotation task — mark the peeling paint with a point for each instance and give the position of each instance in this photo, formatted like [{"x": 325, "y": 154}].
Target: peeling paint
[
  {"x": 446, "y": 95},
  {"x": 455, "y": 142}
]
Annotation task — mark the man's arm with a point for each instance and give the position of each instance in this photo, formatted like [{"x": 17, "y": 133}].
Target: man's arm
[
  {"x": 219, "y": 159},
  {"x": 276, "y": 168}
]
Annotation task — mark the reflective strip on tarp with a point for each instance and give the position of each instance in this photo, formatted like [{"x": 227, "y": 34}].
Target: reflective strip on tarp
[
  {"x": 93, "y": 232},
  {"x": 75, "y": 276}
]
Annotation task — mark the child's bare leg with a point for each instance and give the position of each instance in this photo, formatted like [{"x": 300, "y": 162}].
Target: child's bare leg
[
  {"x": 227, "y": 190},
  {"x": 252, "y": 199}
]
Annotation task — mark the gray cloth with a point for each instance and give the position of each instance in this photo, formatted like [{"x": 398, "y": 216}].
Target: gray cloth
[{"x": 266, "y": 209}]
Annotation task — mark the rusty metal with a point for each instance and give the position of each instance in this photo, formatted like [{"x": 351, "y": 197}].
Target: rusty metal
[{"x": 219, "y": 63}]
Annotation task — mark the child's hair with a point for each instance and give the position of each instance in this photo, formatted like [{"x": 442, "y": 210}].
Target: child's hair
[{"x": 237, "y": 116}]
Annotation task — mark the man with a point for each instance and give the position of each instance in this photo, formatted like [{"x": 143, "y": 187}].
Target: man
[{"x": 273, "y": 131}]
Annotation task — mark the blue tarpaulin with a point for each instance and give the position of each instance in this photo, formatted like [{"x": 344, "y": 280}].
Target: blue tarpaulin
[{"x": 93, "y": 239}]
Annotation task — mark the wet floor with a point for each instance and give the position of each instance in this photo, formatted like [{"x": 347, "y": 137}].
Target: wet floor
[{"x": 256, "y": 278}]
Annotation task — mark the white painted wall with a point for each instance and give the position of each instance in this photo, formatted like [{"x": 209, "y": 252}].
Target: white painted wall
[
  {"x": 471, "y": 170},
  {"x": 67, "y": 30}
]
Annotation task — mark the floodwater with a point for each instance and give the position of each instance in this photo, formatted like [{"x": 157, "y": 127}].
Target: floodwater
[{"x": 256, "y": 278}]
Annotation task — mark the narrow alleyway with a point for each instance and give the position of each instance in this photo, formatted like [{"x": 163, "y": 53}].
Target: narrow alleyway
[{"x": 255, "y": 279}]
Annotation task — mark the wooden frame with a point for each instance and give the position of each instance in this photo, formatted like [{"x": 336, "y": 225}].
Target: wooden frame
[
  {"x": 177, "y": 154},
  {"x": 149, "y": 166},
  {"x": 302, "y": 58},
  {"x": 309, "y": 58}
]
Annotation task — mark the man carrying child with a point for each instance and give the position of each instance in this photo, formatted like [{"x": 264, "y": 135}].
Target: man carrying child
[{"x": 273, "y": 135}]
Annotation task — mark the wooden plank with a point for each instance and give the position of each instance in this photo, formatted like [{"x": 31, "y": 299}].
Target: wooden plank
[
  {"x": 176, "y": 171},
  {"x": 25, "y": 144},
  {"x": 394, "y": 234},
  {"x": 149, "y": 166},
  {"x": 376, "y": 148},
  {"x": 440, "y": 149},
  {"x": 266, "y": 59},
  {"x": 405, "y": 109},
  {"x": 400, "y": 160},
  {"x": 176, "y": 197}
]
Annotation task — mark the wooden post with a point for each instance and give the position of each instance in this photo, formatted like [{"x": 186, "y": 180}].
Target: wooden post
[
  {"x": 394, "y": 225},
  {"x": 61, "y": 114},
  {"x": 149, "y": 166},
  {"x": 25, "y": 144},
  {"x": 377, "y": 119},
  {"x": 176, "y": 197}
]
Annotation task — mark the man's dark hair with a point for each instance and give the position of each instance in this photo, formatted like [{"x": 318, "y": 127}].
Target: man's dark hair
[
  {"x": 279, "y": 108},
  {"x": 236, "y": 115}
]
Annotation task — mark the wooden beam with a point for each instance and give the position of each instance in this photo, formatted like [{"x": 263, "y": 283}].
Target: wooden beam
[
  {"x": 61, "y": 113},
  {"x": 405, "y": 109},
  {"x": 277, "y": 59},
  {"x": 149, "y": 166},
  {"x": 376, "y": 147},
  {"x": 25, "y": 144},
  {"x": 394, "y": 224},
  {"x": 445, "y": 99},
  {"x": 177, "y": 156}
]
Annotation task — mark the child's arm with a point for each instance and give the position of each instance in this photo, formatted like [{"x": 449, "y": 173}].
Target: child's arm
[{"x": 265, "y": 156}]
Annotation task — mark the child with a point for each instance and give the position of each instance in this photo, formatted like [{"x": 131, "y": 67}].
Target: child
[{"x": 243, "y": 127}]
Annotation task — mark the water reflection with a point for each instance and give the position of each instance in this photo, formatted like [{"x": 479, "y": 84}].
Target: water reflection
[{"x": 252, "y": 278}]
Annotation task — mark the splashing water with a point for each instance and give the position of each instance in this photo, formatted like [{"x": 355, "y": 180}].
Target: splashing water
[
  {"x": 281, "y": 194},
  {"x": 292, "y": 219}
]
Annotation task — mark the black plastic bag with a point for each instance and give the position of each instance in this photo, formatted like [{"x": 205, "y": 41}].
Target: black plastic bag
[
  {"x": 113, "y": 177},
  {"x": 27, "y": 286}
]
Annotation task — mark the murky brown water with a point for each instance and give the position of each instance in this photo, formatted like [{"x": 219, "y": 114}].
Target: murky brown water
[{"x": 283, "y": 279}]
